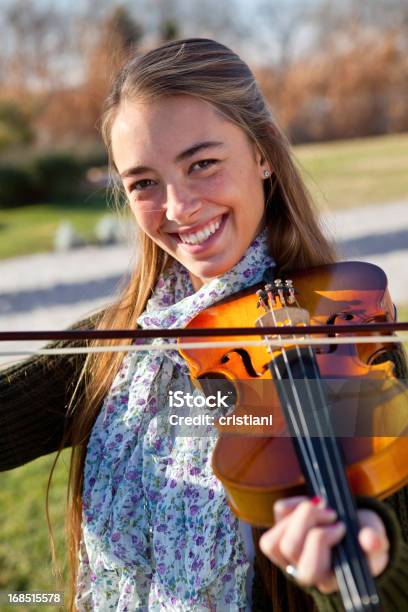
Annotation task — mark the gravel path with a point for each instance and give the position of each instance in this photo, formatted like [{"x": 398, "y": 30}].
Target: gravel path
[{"x": 53, "y": 290}]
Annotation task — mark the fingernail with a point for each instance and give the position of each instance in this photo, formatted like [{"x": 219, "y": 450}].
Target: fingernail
[
  {"x": 316, "y": 500},
  {"x": 339, "y": 526}
]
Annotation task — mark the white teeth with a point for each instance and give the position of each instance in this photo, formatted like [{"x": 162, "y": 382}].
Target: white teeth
[{"x": 202, "y": 235}]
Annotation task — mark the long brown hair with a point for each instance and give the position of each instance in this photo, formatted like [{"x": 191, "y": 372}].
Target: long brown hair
[{"x": 213, "y": 73}]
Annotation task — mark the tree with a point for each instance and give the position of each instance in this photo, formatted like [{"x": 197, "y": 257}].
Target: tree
[
  {"x": 71, "y": 113},
  {"x": 119, "y": 35}
]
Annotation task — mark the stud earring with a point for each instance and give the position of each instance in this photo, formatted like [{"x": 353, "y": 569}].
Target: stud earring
[{"x": 266, "y": 174}]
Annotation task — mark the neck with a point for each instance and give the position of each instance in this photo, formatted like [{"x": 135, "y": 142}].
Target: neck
[{"x": 196, "y": 281}]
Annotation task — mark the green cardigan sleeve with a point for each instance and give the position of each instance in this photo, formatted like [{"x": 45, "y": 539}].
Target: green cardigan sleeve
[
  {"x": 392, "y": 584},
  {"x": 34, "y": 398}
]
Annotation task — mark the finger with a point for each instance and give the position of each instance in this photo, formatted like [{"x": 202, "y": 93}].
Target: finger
[
  {"x": 374, "y": 541},
  {"x": 283, "y": 507},
  {"x": 368, "y": 518},
  {"x": 376, "y": 547},
  {"x": 269, "y": 543},
  {"x": 314, "y": 565},
  {"x": 305, "y": 516}
]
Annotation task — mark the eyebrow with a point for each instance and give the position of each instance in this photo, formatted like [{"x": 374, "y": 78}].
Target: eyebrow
[{"x": 180, "y": 157}]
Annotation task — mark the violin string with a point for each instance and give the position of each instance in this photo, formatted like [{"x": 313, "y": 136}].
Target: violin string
[
  {"x": 350, "y": 591},
  {"x": 322, "y": 398},
  {"x": 326, "y": 415},
  {"x": 309, "y": 458},
  {"x": 302, "y": 440},
  {"x": 294, "y": 424},
  {"x": 359, "y": 573},
  {"x": 344, "y": 572},
  {"x": 306, "y": 431},
  {"x": 306, "y": 428}
]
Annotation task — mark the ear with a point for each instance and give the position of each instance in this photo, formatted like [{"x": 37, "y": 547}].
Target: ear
[{"x": 262, "y": 164}]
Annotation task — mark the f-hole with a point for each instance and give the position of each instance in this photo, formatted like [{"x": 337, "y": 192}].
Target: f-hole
[
  {"x": 246, "y": 360},
  {"x": 343, "y": 316}
]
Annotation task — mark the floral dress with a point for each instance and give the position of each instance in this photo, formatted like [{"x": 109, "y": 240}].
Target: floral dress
[{"x": 157, "y": 533}]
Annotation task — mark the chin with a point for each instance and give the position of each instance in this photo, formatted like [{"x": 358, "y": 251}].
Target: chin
[{"x": 206, "y": 274}]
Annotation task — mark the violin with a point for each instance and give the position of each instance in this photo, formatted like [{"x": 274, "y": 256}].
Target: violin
[{"x": 297, "y": 387}]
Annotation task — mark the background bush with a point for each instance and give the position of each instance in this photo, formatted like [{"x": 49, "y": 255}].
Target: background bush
[
  {"x": 56, "y": 176},
  {"x": 17, "y": 186},
  {"x": 15, "y": 128},
  {"x": 46, "y": 177}
]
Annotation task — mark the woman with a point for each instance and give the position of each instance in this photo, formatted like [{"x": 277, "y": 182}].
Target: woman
[{"x": 218, "y": 201}]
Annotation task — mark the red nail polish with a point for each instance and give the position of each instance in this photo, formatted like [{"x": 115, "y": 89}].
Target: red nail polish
[{"x": 316, "y": 500}]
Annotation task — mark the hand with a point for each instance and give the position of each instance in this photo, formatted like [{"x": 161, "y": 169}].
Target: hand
[{"x": 304, "y": 534}]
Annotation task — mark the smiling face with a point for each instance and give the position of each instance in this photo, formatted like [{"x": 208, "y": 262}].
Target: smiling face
[{"x": 193, "y": 179}]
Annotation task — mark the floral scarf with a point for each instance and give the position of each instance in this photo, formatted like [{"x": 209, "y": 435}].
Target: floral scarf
[{"x": 157, "y": 533}]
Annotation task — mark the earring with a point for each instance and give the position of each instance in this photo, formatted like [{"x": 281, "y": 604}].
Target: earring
[{"x": 266, "y": 174}]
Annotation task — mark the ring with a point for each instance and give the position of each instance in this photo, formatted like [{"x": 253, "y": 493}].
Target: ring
[{"x": 292, "y": 571}]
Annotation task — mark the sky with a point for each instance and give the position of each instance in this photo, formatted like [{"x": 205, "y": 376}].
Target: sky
[{"x": 269, "y": 19}]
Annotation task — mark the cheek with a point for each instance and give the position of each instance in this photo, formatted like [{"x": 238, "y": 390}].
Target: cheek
[
  {"x": 147, "y": 220},
  {"x": 222, "y": 190},
  {"x": 239, "y": 189},
  {"x": 218, "y": 187}
]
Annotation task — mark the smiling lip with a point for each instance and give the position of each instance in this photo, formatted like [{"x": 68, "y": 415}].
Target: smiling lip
[
  {"x": 196, "y": 228},
  {"x": 195, "y": 248}
]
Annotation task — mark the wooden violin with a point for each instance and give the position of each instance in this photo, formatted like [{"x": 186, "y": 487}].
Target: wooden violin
[{"x": 302, "y": 450}]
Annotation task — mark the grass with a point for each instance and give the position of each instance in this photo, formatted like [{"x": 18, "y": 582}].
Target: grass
[
  {"x": 339, "y": 174},
  {"x": 25, "y": 558},
  {"x": 31, "y": 229},
  {"x": 352, "y": 173}
]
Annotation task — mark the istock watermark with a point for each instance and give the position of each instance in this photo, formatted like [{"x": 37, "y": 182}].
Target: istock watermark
[
  {"x": 345, "y": 407},
  {"x": 233, "y": 420},
  {"x": 199, "y": 414},
  {"x": 180, "y": 399}
]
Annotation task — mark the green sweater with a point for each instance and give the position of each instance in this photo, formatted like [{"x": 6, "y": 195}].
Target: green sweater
[{"x": 34, "y": 397}]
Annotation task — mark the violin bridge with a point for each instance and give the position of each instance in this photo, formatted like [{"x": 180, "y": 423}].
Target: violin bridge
[
  {"x": 283, "y": 317},
  {"x": 278, "y": 301}
]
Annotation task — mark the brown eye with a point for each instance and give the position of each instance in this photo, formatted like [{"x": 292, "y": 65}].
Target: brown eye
[
  {"x": 140, "y": 185},
  {"x": 203, "y": 164}
]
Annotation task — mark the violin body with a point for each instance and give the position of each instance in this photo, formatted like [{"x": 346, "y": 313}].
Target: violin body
[{"x": 258, "y": 465}]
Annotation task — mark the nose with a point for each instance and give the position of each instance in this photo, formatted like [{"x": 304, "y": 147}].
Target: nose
[{"x": 181, "y": 203}]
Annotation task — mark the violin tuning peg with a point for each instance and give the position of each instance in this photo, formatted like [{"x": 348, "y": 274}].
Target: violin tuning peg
[
  {"x": 289, "y": 286},
  {"x": 279, "y": 290},
  {"x": 271, "y": 293},
  {"x": 262, "y": 299}
]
